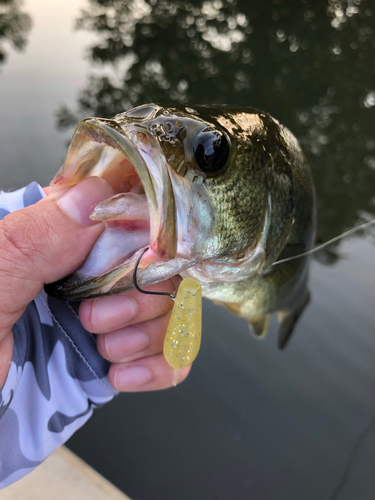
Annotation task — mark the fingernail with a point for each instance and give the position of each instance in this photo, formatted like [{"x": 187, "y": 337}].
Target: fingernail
[
  {"x": 125, "y": 342},
  {"x": 110, "y": 313},
  {"x": 79, "y": 201},
  {"x": 127, "y": 378}
]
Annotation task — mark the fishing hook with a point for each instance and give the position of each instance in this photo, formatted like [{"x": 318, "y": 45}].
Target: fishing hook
[{"x": 136, "y": 283}]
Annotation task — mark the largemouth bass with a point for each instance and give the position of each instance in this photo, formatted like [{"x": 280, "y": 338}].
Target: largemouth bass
[{"x": 217, "y": 193}]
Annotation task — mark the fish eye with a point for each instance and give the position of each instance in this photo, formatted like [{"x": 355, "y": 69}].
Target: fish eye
[{"x": 211, "y": 150}]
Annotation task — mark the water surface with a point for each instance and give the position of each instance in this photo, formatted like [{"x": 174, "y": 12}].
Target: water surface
[{"x": 251, "y": 421}]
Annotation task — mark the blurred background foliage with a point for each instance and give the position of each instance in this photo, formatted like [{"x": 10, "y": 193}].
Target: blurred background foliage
[
  {"x": 309, "y": 63},
  {"x": 14, "y": 26}
]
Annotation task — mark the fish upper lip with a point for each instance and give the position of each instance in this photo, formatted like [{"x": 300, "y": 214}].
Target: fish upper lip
[{"x": 110, "y": 132}]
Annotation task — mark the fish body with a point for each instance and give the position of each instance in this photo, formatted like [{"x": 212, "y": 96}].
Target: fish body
[{"x": 217, "y": 193}]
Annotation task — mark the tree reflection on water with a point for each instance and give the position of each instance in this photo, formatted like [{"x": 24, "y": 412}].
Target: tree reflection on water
[
  {"x": 309, "y": 63},
  {"x": 14, "y": 26}
]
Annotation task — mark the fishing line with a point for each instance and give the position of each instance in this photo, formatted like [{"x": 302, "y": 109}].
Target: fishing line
[
  {"x": 352, "y": 457},
  {"x": 287, "y": 259},
  {"x": 329, "y": 242},
  {"x": 184, "y": 332}
]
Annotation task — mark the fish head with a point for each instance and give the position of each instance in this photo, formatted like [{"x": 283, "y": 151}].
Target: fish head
[{"x": 202, "y": 186}]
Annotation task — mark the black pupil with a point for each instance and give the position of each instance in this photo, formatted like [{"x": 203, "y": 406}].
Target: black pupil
[{"x": 211, "y": 150}]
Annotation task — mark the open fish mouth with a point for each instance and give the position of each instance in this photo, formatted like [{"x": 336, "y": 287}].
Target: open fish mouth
[{"x": 140, "y": 214}]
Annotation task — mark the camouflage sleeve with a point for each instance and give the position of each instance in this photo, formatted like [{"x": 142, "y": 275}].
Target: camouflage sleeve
[{"x": 56, "y": 378}]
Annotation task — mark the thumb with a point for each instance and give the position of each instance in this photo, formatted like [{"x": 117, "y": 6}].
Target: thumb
[{"x": 45, "y": 242}]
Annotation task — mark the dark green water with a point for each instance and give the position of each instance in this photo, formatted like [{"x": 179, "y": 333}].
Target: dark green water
[{"x": 251, "y": 422}]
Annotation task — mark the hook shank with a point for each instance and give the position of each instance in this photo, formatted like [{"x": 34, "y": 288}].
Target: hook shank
[{"x": 136, "y": 283}]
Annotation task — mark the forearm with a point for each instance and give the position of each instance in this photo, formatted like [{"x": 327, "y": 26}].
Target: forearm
[{"x": 52, "y": 376}]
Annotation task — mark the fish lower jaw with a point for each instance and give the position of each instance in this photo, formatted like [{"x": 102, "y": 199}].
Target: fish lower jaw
[{"x": 230, "y": 270}]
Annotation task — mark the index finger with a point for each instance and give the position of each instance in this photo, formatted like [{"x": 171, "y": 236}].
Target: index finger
[{"x": 106, "y": 314}]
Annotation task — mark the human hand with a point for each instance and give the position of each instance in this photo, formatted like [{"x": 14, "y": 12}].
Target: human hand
[
  {"x": 43, "y": 243},
  {"x": 131, "y": 330}
]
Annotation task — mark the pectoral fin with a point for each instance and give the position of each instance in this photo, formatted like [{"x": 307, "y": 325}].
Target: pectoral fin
[
  {"x": 288, "y": 320},
  {"x": 259, "y": 325}
]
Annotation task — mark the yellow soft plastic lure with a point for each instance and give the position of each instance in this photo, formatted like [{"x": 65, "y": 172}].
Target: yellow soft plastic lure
[{"x": 183, "y": 338}]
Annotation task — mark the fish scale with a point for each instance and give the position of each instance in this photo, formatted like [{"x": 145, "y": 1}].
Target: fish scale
[{"x": 228, "y": 192}]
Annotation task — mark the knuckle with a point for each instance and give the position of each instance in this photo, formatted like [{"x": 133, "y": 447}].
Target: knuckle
[
  {"x": 100, "y": 344},
  {"x": 85, "y": 311},
  {"x": 20, "y": 237}
]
